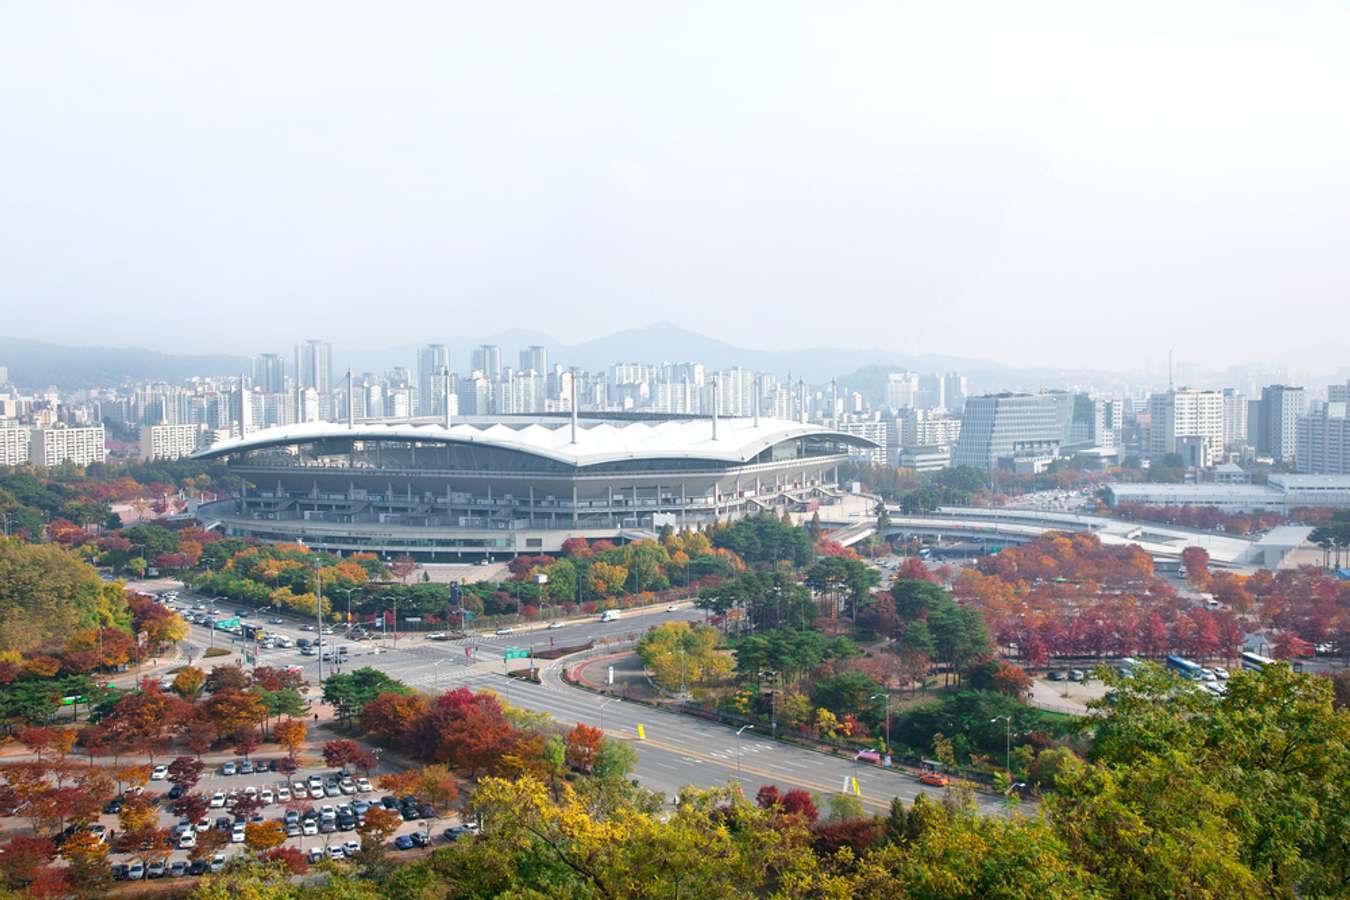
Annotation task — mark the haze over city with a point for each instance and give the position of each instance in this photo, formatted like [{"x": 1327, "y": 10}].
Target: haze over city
[
  {"x": 712, "y": 450},
  {"x": 1039, "y": 184}
]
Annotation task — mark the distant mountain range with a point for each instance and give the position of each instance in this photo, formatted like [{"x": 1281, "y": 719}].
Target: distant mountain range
[{"x": 37, "y": 364}]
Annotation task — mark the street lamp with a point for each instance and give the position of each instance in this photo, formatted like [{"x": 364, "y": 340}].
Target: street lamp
[
  {"x": 738, "y": 754},
  {"x": 773, "y": 701},
  {"x": 602, "y": 711},
  {"x": 887, "y": 695},
  {"x": 1007, "y": 745},
  {"x": 436, "y": 668}
]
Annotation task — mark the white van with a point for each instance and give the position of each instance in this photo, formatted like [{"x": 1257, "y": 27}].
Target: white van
[{"x": 610, "y": 615}]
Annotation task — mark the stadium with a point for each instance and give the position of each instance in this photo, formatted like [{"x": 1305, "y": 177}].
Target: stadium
[{"x": 516, "y": 484}]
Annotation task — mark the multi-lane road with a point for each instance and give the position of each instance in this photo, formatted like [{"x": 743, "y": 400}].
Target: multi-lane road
[{"x": 675, "y": 750}]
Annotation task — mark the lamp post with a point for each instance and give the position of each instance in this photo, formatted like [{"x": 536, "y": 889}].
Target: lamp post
[
  {"x": 318, "y": 612},
  {"x": 436, "y": 669},
  {"x": 887, "y": 695},
  {"x": 738, "y": 754},
  {"x": 602, "y": 711},
  {"x": 1007, "y": 746},
  {"x": 773, "y": 701}
]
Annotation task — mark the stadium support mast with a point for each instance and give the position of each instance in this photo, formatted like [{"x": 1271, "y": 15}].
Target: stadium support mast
[
  {"x": 351, "y": 401},
  {"x": 575, "y": 400},
  {"x": 445, "y": 374},
  {"x": 716, "y": 386},
  {"x": 757, "y": 400}
]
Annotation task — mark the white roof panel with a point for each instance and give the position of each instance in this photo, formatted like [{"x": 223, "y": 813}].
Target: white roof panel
[{"x": 738, "y": 440}]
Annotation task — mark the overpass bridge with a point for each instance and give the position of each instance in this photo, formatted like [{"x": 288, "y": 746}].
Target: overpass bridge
[{"x": 997, "y": 527}]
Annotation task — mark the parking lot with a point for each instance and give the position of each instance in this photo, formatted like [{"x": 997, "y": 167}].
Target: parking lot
[{"x": 319, "y": 809}]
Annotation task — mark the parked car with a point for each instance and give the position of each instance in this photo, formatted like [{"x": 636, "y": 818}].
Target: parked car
[
  {"x": 217, "y": 800},
  {"x": 419, "y": 839},
  {"x": 217, "y": 863},
  {"x": 1076, "y": 674},
  {"x": 299, "y": 791},
  {"x": 315, "y": 855},
  {"x": 283, "y": 794},
  {"x": 1220, "y": 672},
  {"x": 403, "y": 842},
  {"x": 135, "y": 871},
  {"x": 351, "y": 848},
  {"x": 455, "y": 832},
  {"x": 159, "y": 773},
  {"x": 229, "y": 768},
  {"x": 1055, "y": 675},
  {"x": 246, "y": 768},
  {"x": 309, "y": 827},
  {"x": 363, "y": 786},
  {"x": 178, "y": 868},
  {"x": 119, "y": 872},
  {"x": 197, "y": 867}
]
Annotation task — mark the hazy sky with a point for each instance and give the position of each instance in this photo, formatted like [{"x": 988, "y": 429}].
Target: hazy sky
[{"x": 1031, "y": 182}]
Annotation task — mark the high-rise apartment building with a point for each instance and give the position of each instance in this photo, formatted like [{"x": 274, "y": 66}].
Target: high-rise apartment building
[
  {"x": 1185, "y": 413},
  {"x": 1234, "y": 418},
  {"x": 955, "y": 389},
  {"x": 875, "y": 430},
  {"x": 61, "y": 444},
  {"x": 1322, "y": 443},
  {"x": 14, "y": 443},
  {"x": 1277, "y": 426},
  {"x": 534, "y": 359},
  {"x": 487, "y": 359},
  {"x": 902, "y": 390},
  {"x": 1011, "y": 431},
  {"x": 314, "y": 366},
  {"x": 269, "y": 373},
  {"x": 170, "y": 441},
  {"x": 432, "y": 362}
]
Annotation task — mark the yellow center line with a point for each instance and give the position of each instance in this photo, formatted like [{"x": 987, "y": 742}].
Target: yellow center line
[{"x": 792, "y": 779}]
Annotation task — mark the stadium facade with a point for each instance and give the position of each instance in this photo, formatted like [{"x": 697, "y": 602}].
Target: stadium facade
[{"x": 517, "y": 484}]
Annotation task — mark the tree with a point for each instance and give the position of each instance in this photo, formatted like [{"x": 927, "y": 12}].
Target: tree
[
  {"x": 288, "y": 858},
  {"x": 681, "y": 655},
  {"x": 189, "y": 682},
  {"x": 185, "y": 772},
  {"x": 350, "y": 693},
  {"x": 199, "y": 736},
  {"x": 263, "y": 836},
  {"x": 583, "y": 746},
  {"x": 614, "y": 761},
  {"x": 291, "y": 734},
  {"x": 392, "y": 718},
  {"x": 437, "y": 784},
  {"x": 22, "y": 859},
  {"x": 245, "y": 742},
  {"x": 401, "y": 782},
  {"x": 88, "y": 859},
  {"x": 378, "y": 826},
  {"x": 209, "y": 843}
]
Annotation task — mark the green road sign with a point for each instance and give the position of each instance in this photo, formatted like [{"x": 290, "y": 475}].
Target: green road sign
[
  {"x": 227, "y": 623},
  {"x": 515, "y": 653},
  {"x": 69, "y": 701}
]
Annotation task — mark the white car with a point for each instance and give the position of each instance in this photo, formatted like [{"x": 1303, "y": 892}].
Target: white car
[
  {"x": 672, "y": 608},
  {"x": 335, "y": 853},
  {"x": 363, "y": 786},
  {"x": 351, "y": 848},
  {"x": 555, "y": 624},
  {"x": 316, "y": 785},
  {"x": 217, "y": 800},
  {"x": 283, "y": 794},
  {"x": 267, "y": 796},
  {"x": 309, "y": 827},
  {"x": 299, "y": 790},
  {"x": 1221, "y": 673},
  {"x": 187, "y": 840},
  {"x": 507, "y": 630},
  {"x": 237, "y": 833},
  {"x": 160, "y": 773}
]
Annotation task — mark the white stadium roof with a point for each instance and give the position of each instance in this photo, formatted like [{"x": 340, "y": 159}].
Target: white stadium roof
[{"x": 738, "y": 440}]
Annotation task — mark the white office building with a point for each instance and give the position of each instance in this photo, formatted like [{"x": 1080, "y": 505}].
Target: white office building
[
  {"x": 1186, "y": 413},
  {"x": 1009, "y": 431}
]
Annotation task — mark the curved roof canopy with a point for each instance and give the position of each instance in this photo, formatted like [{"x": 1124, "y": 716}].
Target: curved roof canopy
[{"x": 738, "y": 440}]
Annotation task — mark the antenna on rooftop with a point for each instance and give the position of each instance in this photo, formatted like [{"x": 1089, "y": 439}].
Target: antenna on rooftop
[{"x": 1169, "y": 371}]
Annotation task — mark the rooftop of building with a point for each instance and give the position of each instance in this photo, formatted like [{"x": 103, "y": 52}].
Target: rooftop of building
[{"x": 597, "y": 440}]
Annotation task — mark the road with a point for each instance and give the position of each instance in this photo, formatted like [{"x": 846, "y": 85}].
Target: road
[{"x": 678, "y": 750}]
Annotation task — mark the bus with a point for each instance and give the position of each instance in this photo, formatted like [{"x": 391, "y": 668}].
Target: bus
[
  {"x": 1185, "y": 668},
  {"x": 1254, "y": 662},
  {"x": 253, "y": 632}
]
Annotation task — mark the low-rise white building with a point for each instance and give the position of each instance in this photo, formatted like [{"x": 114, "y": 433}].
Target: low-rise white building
[{"x": 1280, "y": 494}]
